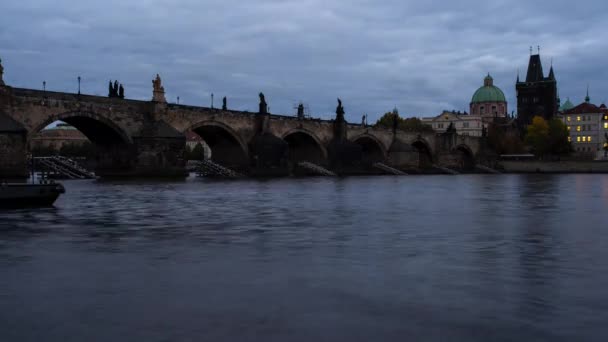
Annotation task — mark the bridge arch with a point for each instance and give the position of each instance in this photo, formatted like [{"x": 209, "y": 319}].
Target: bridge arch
[
  {"x": 424, "y": 151},
  {"x": 466, "y": 157},
  {"x": 372, "y": 148},
  {"x": 227, "y": 147},
  {"x": 304, "y": 145},
  {"x": 98, "y": 129}
]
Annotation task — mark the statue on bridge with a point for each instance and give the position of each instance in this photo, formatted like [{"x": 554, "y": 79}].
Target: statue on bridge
[
  {"x": 116, "y": 89},
  {"x": 1, "y": 72},
  {"x": 158, "y": 91},
  {"x": 301, "y": 111},
  {"x": 263, "y": 104},
  {"x": 339, "y": 111},
  {"x": 224, "y": 105}
]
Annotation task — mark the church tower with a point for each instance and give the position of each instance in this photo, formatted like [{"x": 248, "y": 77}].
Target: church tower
[{"x": 537, "y": 95}]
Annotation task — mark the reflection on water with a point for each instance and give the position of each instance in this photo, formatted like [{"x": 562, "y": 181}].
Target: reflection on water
[{"x": 437, "y": 258}]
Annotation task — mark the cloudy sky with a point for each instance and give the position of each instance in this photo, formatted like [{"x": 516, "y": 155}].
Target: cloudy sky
[{"x": 420, "y": 56}]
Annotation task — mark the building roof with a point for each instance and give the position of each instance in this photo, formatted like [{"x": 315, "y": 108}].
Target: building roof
[
  {"x": 566, "y": 106},
  {"x": 191, "y": 136},
  {"x": 584, "y": 108},
  {"x": 488, "y": 93},
  {"x": 447, "y": 115}
]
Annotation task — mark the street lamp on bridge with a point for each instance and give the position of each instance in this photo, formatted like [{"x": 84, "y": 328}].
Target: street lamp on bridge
[{"x": 78, "y": 85}]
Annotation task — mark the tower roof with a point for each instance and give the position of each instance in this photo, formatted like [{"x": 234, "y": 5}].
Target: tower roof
[
  {"x": 489, "y": 92},
  {"x": 551, "y": 74},
  {"x": 566, "y": 106},
  {"x": 535, "y": 69}
]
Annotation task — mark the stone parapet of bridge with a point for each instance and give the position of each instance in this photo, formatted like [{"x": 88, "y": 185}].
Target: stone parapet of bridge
[{"x": 147, "y": 137}]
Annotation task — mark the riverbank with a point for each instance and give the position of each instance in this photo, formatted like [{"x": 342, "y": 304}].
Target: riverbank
[{"x": 554, "y": 167}]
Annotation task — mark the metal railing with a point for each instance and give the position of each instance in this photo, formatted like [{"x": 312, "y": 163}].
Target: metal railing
[
  {"x": 64, "y": 167},
  {"x": 208, "y": 168}
]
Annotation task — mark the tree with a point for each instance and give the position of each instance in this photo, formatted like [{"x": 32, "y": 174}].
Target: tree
[
  {"x": 409, "y": 124},
  {"x": 548, "y": 137},
  {"x": 198, "y": 152},
  {"x": 504, "y": 140},
  {"x": 558, "y": 137},
  {"x": 537, "y": 136}
]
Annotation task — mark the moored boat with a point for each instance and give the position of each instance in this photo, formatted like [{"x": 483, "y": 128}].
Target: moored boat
[{"x": 17, "y": 195}]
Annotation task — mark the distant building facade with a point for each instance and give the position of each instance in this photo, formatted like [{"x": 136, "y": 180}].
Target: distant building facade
[
  {"x": 487, "y": 105},
  {"x": 463, "y": 123},
  {"x": 588, "y": 126},
  {"x": 537, "y": 95},
  {"x": 193, "y": 139},
  {"x": 58, "y": 136}
]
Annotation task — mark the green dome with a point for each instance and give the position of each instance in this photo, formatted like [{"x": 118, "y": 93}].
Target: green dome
[
  {"x": 566, "y": 106},
  {"x": 488, "y": 93}
]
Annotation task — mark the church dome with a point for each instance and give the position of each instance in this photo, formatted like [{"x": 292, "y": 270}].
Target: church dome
[
  {"x": 489, "y": 92},
  {"x": 566, "y": 106}
]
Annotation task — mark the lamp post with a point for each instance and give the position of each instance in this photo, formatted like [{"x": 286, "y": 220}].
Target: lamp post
[
  {"x": 78, "y": 85},
  {"x": 211, "y": 100},
  {"x": 44, "y": 85},
  {"x": 178, "y": 100}
]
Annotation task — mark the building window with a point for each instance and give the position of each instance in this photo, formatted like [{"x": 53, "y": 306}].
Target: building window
[
  {"x": 568, "y": 118},
  {"x": 589, "y": 139},
  {"x": 578, "y": 118},
  {"x": 569, "y": 128},
  {"x": 482, "y": 109},
  {"x": 578, "y": 139},
  {"x": 578, "y": 128},
  {"x": 584, "y": 139},
  {"x": 569, "y": 139},
  {"x": 606, "y": 125},
  {"x": 465, "y": 125}
]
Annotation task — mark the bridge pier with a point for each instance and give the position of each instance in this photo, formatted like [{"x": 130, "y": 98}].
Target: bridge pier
[
  {"x": 13, "y": 141},
  {"x": 157, "y": 152}
]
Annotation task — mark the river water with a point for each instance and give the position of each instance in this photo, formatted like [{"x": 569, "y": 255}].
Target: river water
[{"x": 429, "y": 258}]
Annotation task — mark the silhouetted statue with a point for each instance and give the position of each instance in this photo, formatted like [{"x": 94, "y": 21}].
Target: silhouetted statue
[
  {"x": 451, "y": 129},
  {"x": 115, "y": 88},
  {"x": 121, "y": 92},
  {"x": 158, "y": 91},
  {"x": 1, "y": 72},
  {"x": 363, "y": 120},
  {"x": 263, "y": 104},
  {"x": 339, "y": 111},
  {"x": 224, "y": 105},
  {"x": 301, "y": 111},
  {"x": 110, "y": 89}
]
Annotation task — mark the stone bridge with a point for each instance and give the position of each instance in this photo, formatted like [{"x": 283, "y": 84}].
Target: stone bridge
[{"x": 146, "y": 138}]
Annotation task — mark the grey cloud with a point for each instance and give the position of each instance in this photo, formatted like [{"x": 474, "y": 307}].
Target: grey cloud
[{"x": 419, "y": 56}]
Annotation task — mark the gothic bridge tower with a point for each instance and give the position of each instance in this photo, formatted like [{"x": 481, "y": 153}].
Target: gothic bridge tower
[{"x": 537, "y": 95}]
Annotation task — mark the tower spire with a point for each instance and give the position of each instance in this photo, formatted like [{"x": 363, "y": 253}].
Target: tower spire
[
  {"x": 1, "y": 72},
  {"x": 587, "y": 98}
]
